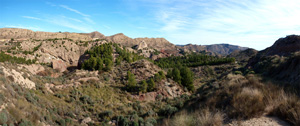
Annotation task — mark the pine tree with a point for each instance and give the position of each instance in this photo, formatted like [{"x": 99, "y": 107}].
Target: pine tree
[
  {"x": 157, "y": 77},
  {"x": 131, "y": 81},
  {"x": 100, "y": 64},
  {"x": 187, "y": 78},
  {"x": 144, "y": 86},
  {"x": 162, "y": 74},
  {"x": 169, "y": 74},
  {"x": 108, "y": 64},
  {"x": 176, "y": 75},
  {"x": 151, "y": 85}
]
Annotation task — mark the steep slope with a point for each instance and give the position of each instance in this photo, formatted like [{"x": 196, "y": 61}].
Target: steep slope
[
  {"x": 36, "y": 94},
  {"x": 216, "y": 49},
  {"x": 281, "y": 60},
  {"x": 243, "y": 56}
]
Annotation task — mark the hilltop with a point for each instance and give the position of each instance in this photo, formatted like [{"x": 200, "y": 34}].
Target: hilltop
[{"x": 151, "y": 44}]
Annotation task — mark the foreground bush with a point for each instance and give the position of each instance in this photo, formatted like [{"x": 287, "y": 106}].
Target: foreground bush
[{"x": 202, "y": 118}]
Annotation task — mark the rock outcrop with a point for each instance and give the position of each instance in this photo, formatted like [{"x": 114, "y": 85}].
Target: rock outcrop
[
  {"x": 59, "y": 65},
  {"x": 18, "y": 78},
  {"x": 141, "y": 45},
  {"x": 34, "y": 68}
]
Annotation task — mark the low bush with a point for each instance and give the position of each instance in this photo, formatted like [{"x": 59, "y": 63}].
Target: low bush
[{"x": 198, "y": 118}]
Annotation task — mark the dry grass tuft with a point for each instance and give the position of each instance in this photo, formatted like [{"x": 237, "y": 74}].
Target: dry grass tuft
[
  {"x": 289, "y": 110},
  {"x": 207, "y": 118},
  {"x": 248, "y": 103},
  {"x": 203, "y": 118}
]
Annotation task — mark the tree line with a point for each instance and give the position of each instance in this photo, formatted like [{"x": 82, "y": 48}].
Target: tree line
[{"x": 192, "y": 60}]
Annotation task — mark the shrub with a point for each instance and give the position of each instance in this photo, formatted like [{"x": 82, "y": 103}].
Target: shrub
[
  {"x": 289, "y": 110},
  {"x": 169, "y": 110},
  {"x": 238, "y": 72},
  {"x": 206, "y": 118},
  {"x": 197, "y": 118},
  {"x": 3, "y": 117},
  {"x": 151, "y": 85},
  {"x": 248, "y": 103},
  {"x": 144, "y": 86}
]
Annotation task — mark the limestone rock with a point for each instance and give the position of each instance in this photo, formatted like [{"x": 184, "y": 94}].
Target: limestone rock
[
  {"x": 17, "y": 77},
  {"x": 34, "y": 68},
  {"x": 59, "y": 65},
  {"x": 142, "y": 45}
]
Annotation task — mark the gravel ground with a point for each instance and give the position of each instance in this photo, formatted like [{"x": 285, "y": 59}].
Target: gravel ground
[{"x": 262, "y": 121}]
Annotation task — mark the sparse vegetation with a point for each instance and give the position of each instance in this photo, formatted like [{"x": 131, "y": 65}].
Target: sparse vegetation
[
  {"x": 13, "y": 59},
  {"x": 116, "y": 87}
]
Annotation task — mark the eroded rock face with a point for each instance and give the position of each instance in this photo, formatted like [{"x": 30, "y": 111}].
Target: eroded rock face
[
  {"x": 16, "y": 33},
  {"x": 17, "y": 77},
  {"x": 34, "y": 68},
  {"x": 142, "y": 45},
  {"x": 59, "y": 65}
]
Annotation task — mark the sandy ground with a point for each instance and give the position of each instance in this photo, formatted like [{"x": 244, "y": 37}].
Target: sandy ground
[{"x": 262, "y": 121}]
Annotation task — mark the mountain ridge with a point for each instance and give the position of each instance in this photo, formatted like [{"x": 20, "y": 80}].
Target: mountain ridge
[{"x": 156, "y": 43}]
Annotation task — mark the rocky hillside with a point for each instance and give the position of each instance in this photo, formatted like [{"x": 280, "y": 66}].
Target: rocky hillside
[
  {"x": 25, "y": 34},
  {"x": 281, "y": 60},
  {"x": 243, "y": 56},
  {"x": 150, "y": 44},
  {"x": 216, "y": 49},
  {"x": 132, "y": 90}
]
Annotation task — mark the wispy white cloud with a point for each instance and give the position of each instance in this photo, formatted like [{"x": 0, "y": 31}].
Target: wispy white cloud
[
  {"x": 240, "y": 22},
  {"x": 107, "y": 27},
  {"x": 89, "y": 20},
  {"x": 60, "y": 20},
  {"x": 65, "y": 22},
  {"x": 73, "y": 19},
  {"x": 85, "y": 17},
  {"x": 76, "y": 11},
  {"x": 84, "y": 25},
  {"x": 29, "y": 17}
]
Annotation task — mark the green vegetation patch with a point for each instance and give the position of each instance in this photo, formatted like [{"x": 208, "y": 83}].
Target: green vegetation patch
[
  {"x": 13, "y": 59},
  {"x": 192, "y": 60}
]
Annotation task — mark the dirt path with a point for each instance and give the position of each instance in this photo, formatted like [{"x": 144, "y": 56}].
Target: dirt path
[{"x": 262, "y": 121}]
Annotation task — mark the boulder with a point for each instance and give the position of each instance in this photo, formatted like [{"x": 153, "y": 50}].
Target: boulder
[{"x": 59, "y": 65}]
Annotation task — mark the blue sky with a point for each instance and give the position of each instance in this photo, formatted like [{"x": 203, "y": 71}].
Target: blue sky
[{"x": 251, "y": 23}]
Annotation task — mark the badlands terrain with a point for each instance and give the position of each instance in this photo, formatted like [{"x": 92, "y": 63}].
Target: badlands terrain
[{"x": 66, "y": 79}]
